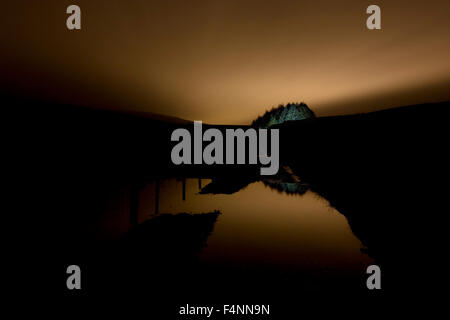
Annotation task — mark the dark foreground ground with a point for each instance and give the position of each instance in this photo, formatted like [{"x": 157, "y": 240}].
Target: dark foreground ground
[{"x": 386, "y": 172}]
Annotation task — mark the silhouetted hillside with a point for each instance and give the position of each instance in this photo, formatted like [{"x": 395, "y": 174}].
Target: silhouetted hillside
[
  {"x": 79, "y": 142},
  {"x": 386, "y": 172}
]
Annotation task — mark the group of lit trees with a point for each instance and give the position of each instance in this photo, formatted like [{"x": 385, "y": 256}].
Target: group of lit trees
[{"x": 292, "y": 111}]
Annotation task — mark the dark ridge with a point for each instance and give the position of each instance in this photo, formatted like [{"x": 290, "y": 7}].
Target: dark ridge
[{"x": 386, "y": 172}]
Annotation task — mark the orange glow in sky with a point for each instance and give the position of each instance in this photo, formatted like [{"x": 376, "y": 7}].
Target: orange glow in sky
[{"x": 229, "y": 61}]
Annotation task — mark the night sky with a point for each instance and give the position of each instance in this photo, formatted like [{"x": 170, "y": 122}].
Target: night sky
[{"x": 227, "y": 61}]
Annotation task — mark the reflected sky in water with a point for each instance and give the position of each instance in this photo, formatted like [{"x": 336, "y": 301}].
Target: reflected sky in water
[{"x": 260, "y": 226}]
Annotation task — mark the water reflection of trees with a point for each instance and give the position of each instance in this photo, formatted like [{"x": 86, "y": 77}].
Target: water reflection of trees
[{"x": 284, "y": 182}]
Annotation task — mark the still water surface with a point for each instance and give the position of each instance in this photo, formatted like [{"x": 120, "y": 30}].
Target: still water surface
[{"x": 258, "y": 227}]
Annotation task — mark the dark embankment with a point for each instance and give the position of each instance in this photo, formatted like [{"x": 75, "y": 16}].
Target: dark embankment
[
  {"x": 65, "y": 163},
  {"x": 387, "y": 173},
  {"x": 158, "y": 253}
]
